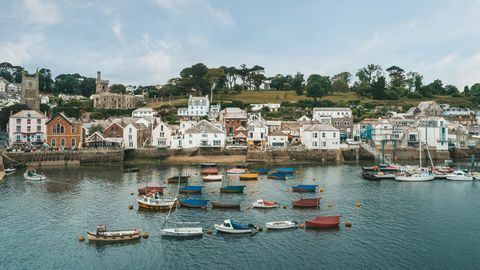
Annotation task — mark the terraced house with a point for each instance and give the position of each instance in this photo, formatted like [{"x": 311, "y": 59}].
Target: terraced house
[
  {"x": 64, "y": 132},
  {"x": 27, "y": 127}
]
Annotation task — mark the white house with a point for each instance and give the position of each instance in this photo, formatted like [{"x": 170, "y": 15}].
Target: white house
[
  {"x": 273, "y": 107},
  {"x": 333, "y": 112},
  {"x": 197, "y": 106},
  {"x": 382, "y": 131},
  {"x": 277, "y": 139},
  {"x": 162, "y": 136},
  {"x": 257, "y": 130},
  {"x": 135, "y": 135},
  {"x": 433, "y": 131},
  {"x": 318, "y": 136},
  {"x": 214, "y": 111},
  {"x": 143, "y": 112},
  {"x": 203, "y": 134},
  {"x": 27, "y": 126}
]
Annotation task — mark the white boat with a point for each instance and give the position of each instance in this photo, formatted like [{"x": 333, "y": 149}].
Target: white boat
[
  {"x": 212, "y": 178},
  {"x": 32, "y": 175},
  {"x": 229, "y": 226},
  {"x": 10, "y": 170},
  {"x": 415, "y": 177},
  {"x": 236, "y": 171},
  {"x": 154, "y": 203},
  {"x": 459, "y": 176},
  {"x": 183, "y": 232},
  {"x": 264, "y": 204},
  {"x": 280, "y": 225}
]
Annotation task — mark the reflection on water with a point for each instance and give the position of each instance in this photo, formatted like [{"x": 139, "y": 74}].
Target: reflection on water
[{"x": 399, "y": 225}]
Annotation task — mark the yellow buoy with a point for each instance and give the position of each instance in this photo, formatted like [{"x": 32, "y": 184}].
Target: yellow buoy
[
  {"x": 209, "y": 231},
  {"x": 81, "y": 238},
  {"x": 301, "y": 226},
  {"x": 286, "y": 190},
  {"x": 321, "y": 189},
  {"x": 357, "y": 204},
  {"x": 130, "y": 206},
  {"x": 131, "y": 193},
  {"x": 284, "y": 207},
  {"x": 348, "y": 224}
]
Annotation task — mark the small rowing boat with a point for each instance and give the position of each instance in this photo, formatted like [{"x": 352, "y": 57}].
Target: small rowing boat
[
  {"x": 178, "y": 179},
  {"x": 229, "y": 226},
  {"x": 249, "y": 176},
  {"x": 130, "y": 170},
  {"x": 281, "y": 225},
  {"x": 232, "y": 189},
  {"x": 191, "y": 189},
  {"x": 323, "y": 222},
  {"x": 264, "y": 204},
  {"x": 212, "y": 178},
  {"x": 193, "y": 203},
  {"x": 113, "y": 236},
  {"x": 209, "y": 171},
  {"x": 261, "y": 170},
  {"x": 236, "y": 171},
  {"x": 182, "y": 232},
  {"x": 310, "y": 202},
  {"x": 277, "y": 175},
  {"x": 226, "y": 204},
  {"x": 285, "y": 170},
  {"x": 33, "y": 175},
  {"x": 10, "y": 170},
  {"x": 305, "y": 188}
]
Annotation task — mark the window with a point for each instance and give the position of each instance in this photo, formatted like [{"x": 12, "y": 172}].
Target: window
[
  {"x": 54, "y": 142},
  {"x": 334, "y": 135},
  {"x": 315, "y": 135},
  {"x": 130, "y": 137},
  {"x": 324, "y": 144},
  {"x": 162, "y": 134},
  {"x": 130, "y": 144},
  {"x": 54, "y": 129},
  {"x": 39, "y": 128},
  {"x": 204, "y": 135},
  {"x": 161, "y": 128},
  {"x": 62, "y": 129},
  {"x": 315, "y": 144},
  {"x": 19, "y": 121},
  {"x": 73, "y": 143},
  {"x": 323, "y": 134},
  {"x": 29, "y": 121},
  {"x": 19, "y": 128},
  {"x": 19, "y": 138},
  {"x": 73, "y": 129},
  {"x": 62, "y": 142},
  {"x": 261, "y": 135},
  {"x": 39, "y": 138},
  {"x": 28, "y": 128},
  {"x": 39, "y": 121},
  {"x": 216, "y": 142},
  {"x": 250, "y": 135}
]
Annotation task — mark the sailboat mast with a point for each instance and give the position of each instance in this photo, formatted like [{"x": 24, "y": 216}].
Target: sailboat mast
[{"x": 420, "y": 152}]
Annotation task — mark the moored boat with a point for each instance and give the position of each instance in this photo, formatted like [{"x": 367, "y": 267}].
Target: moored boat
[
  {"x": 113, "y": 236},
  {"x": 178, "y": 179},
  {"x": 209, "y": 171},
  {"x": 375, "y": 176},
  {"x": 191, "y": 189},
  {"x": 323, "y": 222},
  {"x": 236, "y": 171},
  {"x": 33, "y": 175},
  {"x": 286, "y": 170},
  {"x": 226, "y": 204},
  {"x": 414, "y": 177},
  {"x": 193, "y": 203},
  {"x": 264, "y": 204},
  {"x": 182, "y": 232},
  {"x": 382, "y": 168},
  {"x": 232, "y": 189},
  {"x": 151, "y": 187},
  {"x": 277, "y": 175},
  {"x": 249, "y": 176},
  {"x": 261, "y": 170},
  {"x": 305, "y": 188},
  {"x": 10, "y": 170},
  {"x": 159, "y": 204},
  {"x": 309, "y": 202},
  {"x": 131, "y": 169},
  {"x": 460, "y": 176},
  {"x": 281, "y": 225},
  {"x": 229, "y": 226},
  {"x": 212, "y": 178}
]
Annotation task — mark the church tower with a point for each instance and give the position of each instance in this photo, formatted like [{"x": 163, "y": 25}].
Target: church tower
[
  {"x": 30, "y": 90},
  {"x": 101, "y": 85}
]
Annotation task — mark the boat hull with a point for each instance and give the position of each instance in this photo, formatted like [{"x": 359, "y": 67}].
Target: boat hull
[
  {"x": 281, "y": 225},
  {"x": 459, "y": 178},
  {"x": 264, "y": 204},
  {"x": 146, "y": 190},
  {"x": 223, "y": 229},
  {"x": 193, "y": 203},
  {"x": 182, "y": 232},
  {"x": 307, "y": 203},
  {"x": 216, "y": 204},
  {"x": 212, "y": 178},
  {"x": 321, "y": 222},
  {"x": 232, "y": 189},
  {"x": 209, "y": 171},
  {"x": 249, "y": 176},
  {"x": 161, "y": 206},
  {"x": 114, "y": 238},
  {"x": 414, "y": 178}
]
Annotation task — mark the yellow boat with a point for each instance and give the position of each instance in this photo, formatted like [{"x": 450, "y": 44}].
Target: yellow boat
[{"x": 249, "y": 176}]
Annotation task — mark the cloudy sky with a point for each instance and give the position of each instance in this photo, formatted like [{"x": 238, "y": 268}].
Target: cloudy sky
[{"x": 149, "y": 41}]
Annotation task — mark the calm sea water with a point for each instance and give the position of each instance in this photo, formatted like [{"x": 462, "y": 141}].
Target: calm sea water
[{"x": 432, "y": 225}]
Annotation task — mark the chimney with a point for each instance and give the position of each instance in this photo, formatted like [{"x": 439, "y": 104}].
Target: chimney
[{"x": 99, "y": 75}]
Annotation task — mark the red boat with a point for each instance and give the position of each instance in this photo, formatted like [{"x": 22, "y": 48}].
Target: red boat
[
  {"x": 209, "y": 171},
  {"x": 310, "y": 202},
  {"x": 323, "y": 222},
  {"x": 152, "y": 188}
]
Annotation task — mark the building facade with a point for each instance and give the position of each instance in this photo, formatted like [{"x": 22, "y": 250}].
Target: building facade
[
  {"x": 27, "y": 127},
  {"x": 341, "y": 118},
  {"x": 64, "y": 133},
  {"x": 318, "y": 136}
]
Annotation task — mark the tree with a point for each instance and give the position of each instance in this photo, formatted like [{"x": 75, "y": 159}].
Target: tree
[
  {"x": 298, "y": 83},
  {"x": 451, "y": 90},
  {"x": 318, "y": 85},
  {"x": 397, "y": 77},
  {"x": 10, "y": 72},
  {"x": 45, "y": 81},
  {"x": 379, "y": 87},
  {"x": 217, "y": 79},
  {"x": 277, "y": 82},
  {"x": 231, "y": 75},
  {"x": 340, "y": 82},
  {"x": 369, "y": 74},
  {"x": 118, "y": 88},
  {"x": 414, "y": 81},
  {"x": 194, "y": 79}
]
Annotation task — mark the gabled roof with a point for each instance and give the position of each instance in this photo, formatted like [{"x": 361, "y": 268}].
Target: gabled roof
[
  {"x": 234, "y": 113},
  {"x": 71, "y": 121},
  {"x": 144, "y": 109},
  {"x": 319, "y": 127},
  {"x": 276, "y": 133},
  {"x": 332, "y": 109},
  {"x": 28, "y": 114},
  {"x": 94, "y": 136},
  {"x": 197, "y": 101},
  {"x": 426, "y": 104},
  {"x": 203, "y": 127}
]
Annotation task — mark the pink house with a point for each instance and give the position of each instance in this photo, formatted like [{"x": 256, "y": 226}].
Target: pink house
[{"x": 27, "y": 127}]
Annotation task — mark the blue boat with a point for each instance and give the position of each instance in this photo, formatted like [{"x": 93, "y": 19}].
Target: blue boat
[
  {"x": 286, "y": 170},
  {"x": 261, "y": 170},
  {"x": 277, "y": 175},
  {"x": 194, "y": 203},
  {"x": 305, "y": 188},
  {"x": 232, "y": 189},
  {"x": 191, "y": 189}
]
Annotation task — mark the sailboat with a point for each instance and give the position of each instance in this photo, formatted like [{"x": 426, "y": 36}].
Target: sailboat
[{"x": 420, "y": 175}]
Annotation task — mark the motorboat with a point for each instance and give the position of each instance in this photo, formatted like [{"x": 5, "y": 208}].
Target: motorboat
[
  {"x": 33, "y": 175},
  {"x": 460, "y": 176},
  {"x": 249, "y": 176},
  {"x": 281, "y": 225},
  {"x": 307, "y": 203},
  {"x": 229, "y": 226},
  {"x": 10, "y": 170},
  {"x": 154, "y": 203},
  {"x": 375, "y": 176},
  {"x": 113, "y": 236},
  {"x": 323, "y": 222},
  {"x": 182, "y": 232},
  {"x": 212, "y": 178},
  {"x": 264, "y": 204}
]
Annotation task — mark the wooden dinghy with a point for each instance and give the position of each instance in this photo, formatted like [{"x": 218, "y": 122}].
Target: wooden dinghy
[
  {"x": 193, "y": 203},
  {"x": 178, "y": 179},
  {"x": 183, "y": 232},
  {"x": 191, "y": 189},
  {"x": 232, "y": 189},
  {"x": 236, "y": 171},
  {"x": 310, "y": 202},
  {"x": 212, "y": 178},
  {"x": 304, "y": 188},
  {"x": 113, "y": 236},
  {"x": 32, "y": 175},
  {"x": 323, "y": 222},
  {"x": 249, "y": 176}
]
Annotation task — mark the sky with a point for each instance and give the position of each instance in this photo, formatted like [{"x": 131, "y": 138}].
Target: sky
[{"x": 145, "y": 42}]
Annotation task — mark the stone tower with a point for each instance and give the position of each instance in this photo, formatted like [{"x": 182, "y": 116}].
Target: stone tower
[
  {"x": 101, "y": 85},
  {"x": 30, "y": 90}
]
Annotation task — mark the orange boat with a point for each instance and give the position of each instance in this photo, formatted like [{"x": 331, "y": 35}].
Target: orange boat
[
  {"x": 209, "y": 171},
  {"x": 323, "y": 222},
  {"x": 249, "y": 176},
  {"x": 310, "y": 202}
]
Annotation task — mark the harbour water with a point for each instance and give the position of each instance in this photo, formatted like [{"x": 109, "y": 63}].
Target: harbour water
[{"x": 432, "y": 225}]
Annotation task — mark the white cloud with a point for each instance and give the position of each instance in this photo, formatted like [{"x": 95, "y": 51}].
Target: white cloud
[
  {"x": 20, "y": 52},
  {"x": 117, "y": 30},
  {"x": 42, "y": 12}
]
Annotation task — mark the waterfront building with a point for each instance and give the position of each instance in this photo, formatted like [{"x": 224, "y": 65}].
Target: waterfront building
[
  {"x": 162, "y": 135},
  {"x": 433, "y": 131},
  {"x": 136, "y": 135},
  {"x": 214, "y": 111},
  {"x": 273, "y": 107},
  {"x": 203, "y": 134},
  {"x": 197, "y": 107},
  {"x": 64, "y": 132},
  {"x": 273, "y": 125},
  {"x": 143, "y": 112},
  {"x": 382, "y": 131},
  {"x": 27, "y": 127},
  {"x": 277, "y": 139},
  {"x": 341, "y": 118},
  {"x": 292, "y": 129},
  {"x": 232, "y": 119},
  {"x": 114, "y": 133},
  {"x": 318, "y": 136},
  {"x": 257, "y": 131}
]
